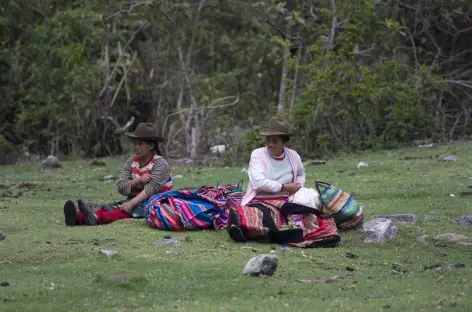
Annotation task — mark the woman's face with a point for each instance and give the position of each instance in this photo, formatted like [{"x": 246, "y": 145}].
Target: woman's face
[
  {"x": 275, "y": 144},
  {"x": 143, "y": 148}
]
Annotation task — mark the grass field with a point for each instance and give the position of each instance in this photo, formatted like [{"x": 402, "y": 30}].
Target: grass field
[{"x": 51, "y": 267}]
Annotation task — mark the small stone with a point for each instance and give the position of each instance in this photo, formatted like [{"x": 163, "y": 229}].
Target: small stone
[
  {"x": 406, "y": 218},
  {"x": 399, "y": 268},
  {"x": 109, "y": 178},
  {"x": 450, "y": 237},
  {"x": 440, "y": 254},
  {"x": 188, "y": 239},
  {"x": 2, "y": 236},
  {"x": 108, "y": 253},
  {"x": 449, "y": 158},
  {"x": 465, "y": 220},
  {"x": 178, "y": 176},
  {"x": 261, "y": 265},
  {"x": 165, "y": 241},
  {"x": 4, "y": 284},
  {"x": 448, "y": 267},
  {"x": 50, "y": 162},
  {"x": 167, "y": 237},
  {"x": 378, "y": 230},
  {"x": 421, "y": 239},
  {"x": 464, "y": 244},
  {"x": 172, "y": 252}
]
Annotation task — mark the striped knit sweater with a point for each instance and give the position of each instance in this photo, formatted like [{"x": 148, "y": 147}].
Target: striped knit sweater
[{"x": 160, "y": 177}]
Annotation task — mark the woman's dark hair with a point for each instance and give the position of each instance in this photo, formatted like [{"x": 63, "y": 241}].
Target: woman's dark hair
[
  {"x": 285, "y": 138},
  {"x": 155, "y": 149}
]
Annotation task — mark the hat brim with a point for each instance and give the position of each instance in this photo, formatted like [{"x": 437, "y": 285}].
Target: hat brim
[
  {"x": 267, "y": 133},
  {"x": 133, "y": 135}
]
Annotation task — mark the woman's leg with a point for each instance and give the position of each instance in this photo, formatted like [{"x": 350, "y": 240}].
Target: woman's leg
[
  {"x": 262, "y": 222},
  {"x": 105, "y": 216},
  {"x": 234, "y": 227},
  {"x": 100, "y": 216},
  {"x": 86, "y": 214}
]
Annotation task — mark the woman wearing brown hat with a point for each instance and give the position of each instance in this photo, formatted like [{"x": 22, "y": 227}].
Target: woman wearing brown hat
[
  {"x": 143, "y": 175},
  {"x": 269, "y": 211},
  {"x": 275, "y": 173}
]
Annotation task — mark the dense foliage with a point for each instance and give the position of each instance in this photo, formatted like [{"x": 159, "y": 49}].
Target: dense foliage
[{"x": 350, "y": 75}]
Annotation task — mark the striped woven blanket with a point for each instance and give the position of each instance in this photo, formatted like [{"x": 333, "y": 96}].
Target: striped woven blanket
[{"x": 192, "y": 209}]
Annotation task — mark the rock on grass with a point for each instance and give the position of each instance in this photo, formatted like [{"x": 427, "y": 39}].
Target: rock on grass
[
  {"x": 465, "y": 220},
  {"x": 263, "y": 265},
  {"x": 379, "y": 230},
  {"x": 50, "y": 162},
  {"x": 450, "y": 237}
]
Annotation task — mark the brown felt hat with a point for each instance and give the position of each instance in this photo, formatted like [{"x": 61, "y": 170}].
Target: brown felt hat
[
  {"x": 278, "y": 126},
  {"x": 145, "y": 131}
]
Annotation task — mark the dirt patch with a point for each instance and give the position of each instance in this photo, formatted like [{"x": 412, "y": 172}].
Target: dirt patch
[{"x": 29, "y": 186}]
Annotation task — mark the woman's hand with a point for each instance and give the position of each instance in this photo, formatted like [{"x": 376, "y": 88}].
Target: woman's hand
[
  {"x": 145, "y": 178},
  {"x": 141, "y": 180},
  {"x": 292, "y": 188},
  {"x": 126, "y": 207}
]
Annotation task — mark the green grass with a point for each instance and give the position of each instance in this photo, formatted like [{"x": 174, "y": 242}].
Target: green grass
[{"x": 206, "y": 275}]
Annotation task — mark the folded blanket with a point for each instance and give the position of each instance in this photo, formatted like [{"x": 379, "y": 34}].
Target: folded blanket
[{"x": 192, "y": 209}]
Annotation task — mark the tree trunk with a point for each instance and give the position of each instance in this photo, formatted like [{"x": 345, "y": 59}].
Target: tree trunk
[
  {"x": 283, "y": 80},
  {"x": 293, "y": 97}
]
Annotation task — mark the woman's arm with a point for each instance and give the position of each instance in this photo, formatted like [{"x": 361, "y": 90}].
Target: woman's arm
[
  {"x": 301, "y": 177},
  {"x": 258, "y": 177},
  {"x": 126, "y": 183},
  {"x": 159, "y": 176},
  {"x": 138, "y": 199}
]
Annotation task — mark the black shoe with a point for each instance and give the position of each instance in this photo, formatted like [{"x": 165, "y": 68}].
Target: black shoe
[
  {"x": 236, "y": 234},
  {"x": 70, "y": 213},
  {"x": 89, "y": 217}
]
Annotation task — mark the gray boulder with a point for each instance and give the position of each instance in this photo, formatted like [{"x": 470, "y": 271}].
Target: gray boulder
[
  {"x": 379, "y": 230},
  {"x": 465, "y": 220},
  {"x": 50, "y": 162},
  {"x": 264, "y": 265}
]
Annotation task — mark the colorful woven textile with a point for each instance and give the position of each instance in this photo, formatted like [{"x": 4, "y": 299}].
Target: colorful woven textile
[
  {"x": 192, "y": 209},
  {"x": 264, "y": 221},
  {"x": 340, "y": 205}
]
